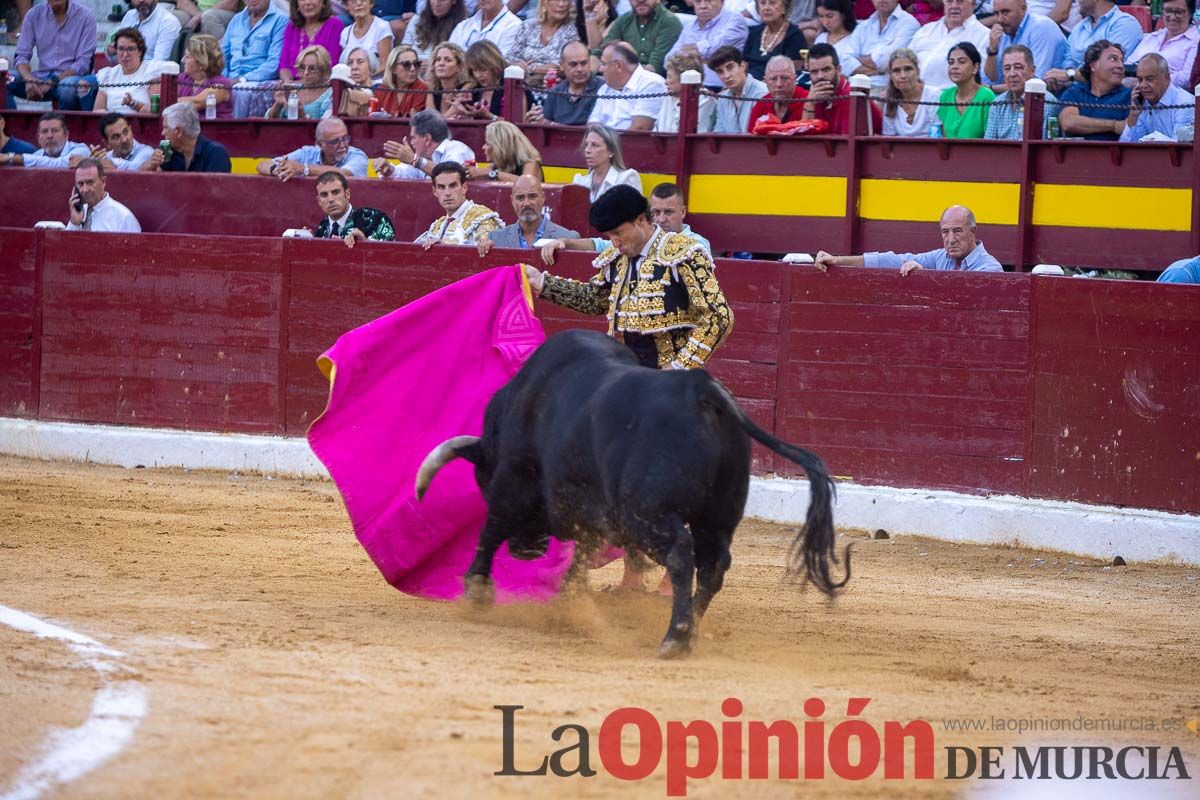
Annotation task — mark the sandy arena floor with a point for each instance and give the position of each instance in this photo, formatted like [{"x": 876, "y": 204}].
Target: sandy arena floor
[{"x": 279, "y": 664}]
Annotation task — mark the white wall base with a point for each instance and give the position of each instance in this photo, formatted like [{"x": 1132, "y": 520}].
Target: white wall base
[{"x": 1100, "y": 531}]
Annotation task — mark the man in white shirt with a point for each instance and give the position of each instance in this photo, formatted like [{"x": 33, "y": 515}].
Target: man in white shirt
[
  {"x": 122, "y": 150},
  {"x": 158, "y": 26},
  {"x": 875, "y": 38},
  {"x": 91, "y": 207},
  {"x": 933, "y": 41},
  {"x": 493, "y": 21},
  {"x": 428, "y": 144},
  {"x": 624, "y": 76},
  {"x": 55, "y": 151}
]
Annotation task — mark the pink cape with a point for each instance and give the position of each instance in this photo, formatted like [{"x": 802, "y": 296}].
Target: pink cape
[{"x": 400, "y": 386}]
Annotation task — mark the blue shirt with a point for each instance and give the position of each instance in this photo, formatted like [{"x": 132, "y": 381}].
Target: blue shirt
[
  {"x": 1116, "y": 102},
  {"x": 38, "y": 158},
  {"x": 15, "y": 145},
  {"x": 207, "y": 157},
  {"x": 253, "y": 53},
  {"x": 1116, "y": 26},
  {"x": 355, "y": 161},
  {"x": 687, "y": 231},
  {"x": 1186, "y": 270},
  {"x": 1041, "y": 35},
  {"x": 1006, "y": 120},
  {"x": 138, "y": 156},
  {"x": 1163, "y": 120},
  {"x": 978, "y": 260}
]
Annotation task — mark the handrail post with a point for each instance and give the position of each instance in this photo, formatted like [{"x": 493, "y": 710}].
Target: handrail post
[
  {"x": 689, "y": 117},
  {"x": 339, "y": 79},
  {"x": 511, "y": 107},
  {"x": 860, "y": 114},
  {"x": 1034, "y": 104},
  {"x": 168, "y": 90},
  {"x": 1195, "y": 248},
  {"x": 3, "y": 82}
]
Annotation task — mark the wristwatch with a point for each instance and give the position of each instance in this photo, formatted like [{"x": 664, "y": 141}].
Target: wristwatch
[
  {"x": 1071, "y": 74},
  {"x": 993, "y": 52},
  {"x": 493, "y": 173}
]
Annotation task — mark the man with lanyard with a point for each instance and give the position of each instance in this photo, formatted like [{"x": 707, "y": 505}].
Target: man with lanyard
[{"x": 532, "y": 224}]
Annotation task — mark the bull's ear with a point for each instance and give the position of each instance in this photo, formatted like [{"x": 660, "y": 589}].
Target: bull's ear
[{"x": 472, "y": 452}]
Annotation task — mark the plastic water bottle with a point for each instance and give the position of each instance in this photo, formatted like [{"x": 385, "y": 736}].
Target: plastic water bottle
[
  {"x": 935, "y": 130},
  {"x": 293, "y": 107},
  {"x": 3, "y": 30},
  {"x": 210, "y": 107}
]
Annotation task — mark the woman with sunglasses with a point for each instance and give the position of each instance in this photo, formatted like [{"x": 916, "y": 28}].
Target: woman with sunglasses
[{"x": 403, "y": 71}]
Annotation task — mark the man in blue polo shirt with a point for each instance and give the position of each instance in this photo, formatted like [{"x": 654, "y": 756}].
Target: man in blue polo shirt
[
  {"x": 1101, "y": 20},
  {"x": 1016, "y": 25},
  {"x": 331, "y": 152},
  {"x": 252, "y": 45},
  {"x": 960, "y": 251}
]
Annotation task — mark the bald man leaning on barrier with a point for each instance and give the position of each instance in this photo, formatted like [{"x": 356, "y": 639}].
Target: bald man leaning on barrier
[{"x": 960, "y": 250}]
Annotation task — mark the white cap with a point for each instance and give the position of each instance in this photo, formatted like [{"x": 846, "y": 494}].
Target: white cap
[
  {"x": 690, "y": 76},
  {"x": 168, "y": 68},
  {"x": 514, "y": 72},
  {"x": 861, "y": 83},
  {"x": 1035, "y": 86},
  {"x": 1048, "y": 269},
  {"x": 798, "y": 258},
  {"x": 341, "y": 72}
]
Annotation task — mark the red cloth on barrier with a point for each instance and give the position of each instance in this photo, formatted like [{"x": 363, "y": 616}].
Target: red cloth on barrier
[{"x": 401, "y": 385}]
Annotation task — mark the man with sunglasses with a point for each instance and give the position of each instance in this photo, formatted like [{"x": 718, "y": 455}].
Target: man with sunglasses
[{"x": 332, "y": 152}]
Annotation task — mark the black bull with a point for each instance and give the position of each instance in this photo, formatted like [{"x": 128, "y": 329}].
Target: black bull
[{"x": 585, "y": 444}]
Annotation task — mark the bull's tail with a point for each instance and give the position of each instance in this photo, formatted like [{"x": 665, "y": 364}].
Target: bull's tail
[
  {"x": 459, "y": 446},
  {"x": 813, "y": 548}
]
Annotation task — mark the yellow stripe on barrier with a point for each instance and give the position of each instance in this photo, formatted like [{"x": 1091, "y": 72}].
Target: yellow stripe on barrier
[
  {"x": 768, "y": 195},
  {"x": 924, "y": 201},
  {"x": 565, "y": 174},
  {"x": 1114, "y": 207}
]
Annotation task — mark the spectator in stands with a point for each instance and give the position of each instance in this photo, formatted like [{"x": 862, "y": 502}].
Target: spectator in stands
[
  {"x": 593, "y": 18},
  {"x": 601, "y": 148},
  {"x": 781, "y": 82},
  {"x": 203, "y": 63},
  {"x": 1185, "y": 270},
  {"x": 776, "y": 36},
  {"x": 902, "y": 113},
  {"x": 210, "y": 17},
  {"x": 1015, "y": 24},
  {"x": 1064, "y": 13},
  {"x": 1176, "y": 41},
  {"x": 967, "y": 103},
  {"x": 486, "y": 64},
  {"x": 331, "y": 153},
  {"x": 311, "y": 23},
  {"x": 55, "y": 149},
  {"x": 11, "y": 144},
  {"x": 1152, "y": 98},
  {"x": 667, "y": 120},
  {"x": 356, "y": 98},
  {"x": 428, "y": 145},
  {"x": 668, "y": 211},
  {"x": 741, "y": 91},
  {"x": 933, "y": 41},
  {"x": 314, "y": 93},
  {"x": 157, "y": 25},
  {"x": 465, "y": 222},
  {"x": 837, "y": 25},
  {"x": 448, "y": 74},
  {"x": 875, "y": 39},
  {"x": 650, "y": 29},
  {"x": 960, "y": 250},
  {"x": 63, "y": 32},
  {"x": 344, "y": 221},
  {"x": 131, "y": 68},
  {"x": 714, "y": 28},
  {"x": 828, "y": 84},
  {"x": 1006, "y": 120},
  {"x": 120, "y": 150},
  {"x": 510, "y": 154},
  {"x": 624, "y": 80},
  {"x": 541, "y": 39},
  {"x": 1101, "y": 20},
  {"x": 190, "y": 151},
  {"x": 92, "y": 209},
  {"x": 529, "y": 203},
  {"x": 368, "y": 32},
  {"x": 252, "y": 45},
  {"x": 493, "y": 21},
  {"x": 571, "y": 101},
  {"x": 433, "y": 25},
  {"x": 803, "y": 13},
  {"x": 403, "y": 72},
  {"x": 1106, "y": 101}
]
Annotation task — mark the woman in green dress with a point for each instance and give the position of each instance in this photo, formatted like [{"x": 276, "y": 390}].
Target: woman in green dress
[{"x": 964, "y": 114}]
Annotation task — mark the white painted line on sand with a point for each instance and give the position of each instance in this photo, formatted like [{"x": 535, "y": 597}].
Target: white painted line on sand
[{"x": 117, "y": 710}]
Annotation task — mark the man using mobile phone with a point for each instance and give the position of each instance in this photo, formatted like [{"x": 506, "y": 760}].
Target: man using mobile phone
[{"x": 90, "y": 206}]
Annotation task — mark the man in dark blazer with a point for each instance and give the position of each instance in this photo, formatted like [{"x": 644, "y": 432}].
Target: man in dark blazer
[
  {"x": 529, "y": 202},
  {"x": 344, "y": 221}
]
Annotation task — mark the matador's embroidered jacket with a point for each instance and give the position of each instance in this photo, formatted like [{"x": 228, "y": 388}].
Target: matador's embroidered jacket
[
  {"x": 674, "y": 298},
  {"x": 468, "y": 225}
]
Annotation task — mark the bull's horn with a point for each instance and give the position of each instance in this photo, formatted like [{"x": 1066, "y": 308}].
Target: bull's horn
[{"x": 439, "y": 457}]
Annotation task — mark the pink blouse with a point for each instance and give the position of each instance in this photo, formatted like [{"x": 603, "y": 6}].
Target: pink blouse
[{"x": 295, "y": 40}]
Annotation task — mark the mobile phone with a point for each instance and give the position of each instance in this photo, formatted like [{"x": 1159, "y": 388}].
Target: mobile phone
[{"x": 76, "y": 201}]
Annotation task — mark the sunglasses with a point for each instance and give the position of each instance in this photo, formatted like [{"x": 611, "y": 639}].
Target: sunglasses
[{"x": 407, "y": 64}]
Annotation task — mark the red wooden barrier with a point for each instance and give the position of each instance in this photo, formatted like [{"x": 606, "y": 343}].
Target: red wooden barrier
[{"x": 1048, "y": 387}]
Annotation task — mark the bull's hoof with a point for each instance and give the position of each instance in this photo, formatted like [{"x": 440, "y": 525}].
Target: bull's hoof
[
  {"x": 480, "y": 591},
  {"x": 674, "y": 648}
]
